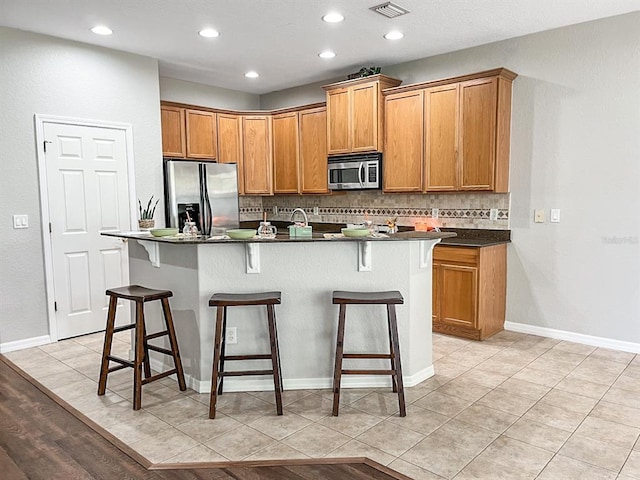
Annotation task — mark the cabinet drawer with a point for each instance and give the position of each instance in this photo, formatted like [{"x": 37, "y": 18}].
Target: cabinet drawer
[{"x": 443, "y": 253}]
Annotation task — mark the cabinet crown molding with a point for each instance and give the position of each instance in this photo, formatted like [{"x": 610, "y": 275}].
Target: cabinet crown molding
[{"x": 386, "y": 81}]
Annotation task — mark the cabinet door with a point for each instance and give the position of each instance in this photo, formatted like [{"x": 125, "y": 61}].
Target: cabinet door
[
  {"x": 404, "y": 130},
  {"x": 285, "y": 153},
  {"x": 201, "y": 134},
  {"x": 173, "y": 141},
  {"x": 338, "y": 121},
  {"x": 230, "y": 143},
  {"x": 435, "y": 293},
  {"x": 478, "y": 101},
  {"x": 441, "y": 138},
  {"x": 458, "y": 296},
  {"x": 256, "y": 158},
  {"x": 364, "y": 118},
  {"x": 313, "y": 151}
]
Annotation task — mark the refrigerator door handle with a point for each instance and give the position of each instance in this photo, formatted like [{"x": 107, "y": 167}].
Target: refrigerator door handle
[{"x": 205, "y": 202}]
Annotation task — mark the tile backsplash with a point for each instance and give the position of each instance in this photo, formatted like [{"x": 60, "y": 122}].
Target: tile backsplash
[{"x": 455, "y": 210}]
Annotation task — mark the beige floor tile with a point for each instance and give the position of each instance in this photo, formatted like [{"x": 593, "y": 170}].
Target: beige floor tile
[
  {"x": 506, "y": 402},
  {"x": 576, "y": 348},
  {"x": 488, "y": 418},
  {"x": 167, "y": 444},
  {"x": 316, "y": 440},
  {"x": 519, "y": 456},
  {"x": 87, "y": 360},
  {"x": 613, "y": 355},
  {"x": 74, "y": 390},
  {"x": 288, "y": 396},
  {"x": 355, "y": 448},
  {"x": 347, "y": 395},
  {"x": 450, "y": 369},
  {"x": 597, "y": 453},
  {"x": 240, "y": 443},
  {"x": 561, "y": 467},
  {"x": 198, "y": 454},
  {"x": 62, "y": 379},
  {"x": 43, "y": 368},
  {"x": 499, "y": 366},
  {"x": 420, "y": 420},
  {"x": 547, "y": 364},
  {"x": 390, "y": 438},
  {"x": 144, "y": 427},
  {"x": 582, "y": 387},
  {"x": 447, "y": 450},
  {"x": 554, "y": 416},
  {"x": 482, "y": 468},
  {"x": 277, "y": 451},
  {"x": 626, "y": 398},
  {"x": 89, "y": 338},
  {"x": 629, "y": 380},
  {"x": 178, "y": 411},
  {"x": 632, "y": 370},
  {"x": 484, "y": 377},
  {"x": 91, "y": 401},
  {"x": 609, "y": 432},
  {"x": 443, "y": 404},
  {"x": 570, "y": 401},
  {"x": 617, "y": 413},
  {"x": 516, "y": 356},
  {"x": 564, "y": 357},
  {"x": 632, "y": 465},
  {"x": 204, "y": 429},
  {"x": 523, "y": 388},
  {"x": 599, "y": 371},
  {"x": 379, "y": 404},
  {"x": 538, "y": 434},
  {"x": 413, "y": 471},
  {"x": 66, "y": 349},
  {"x": 463, "y": 387},
  {"x": 280, "y": 426},
  {"x": 351, "y": 421},
  {"x": 153, "y": 394},
  {"x": 468, "y": 357},
  {"x": 548, "y": 379},
  {"x": 313, "y": 407}
]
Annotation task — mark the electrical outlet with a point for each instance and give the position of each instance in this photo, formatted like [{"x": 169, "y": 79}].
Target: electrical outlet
[
  {"x": 275, "y": 210},
  {"x": 538, "y": 216},
  {"x": 231, "y": 336},
  {"x": 21, "y": 221},
  {"x": 316, "y": 211},
  {"x": 493, "y": 214},
  {"x": 555, "y": 215},
  {"x": 434, "y": 213}
]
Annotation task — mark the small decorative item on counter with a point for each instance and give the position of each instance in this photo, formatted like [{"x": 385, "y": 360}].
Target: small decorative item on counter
[
  {"x": 146, "y": 220},
  {"x": 267, "y": 230},
  {"x": 190, "y": 229},
  {"x": 428, "y": 225},
  {"x": 392, "y": 225}
]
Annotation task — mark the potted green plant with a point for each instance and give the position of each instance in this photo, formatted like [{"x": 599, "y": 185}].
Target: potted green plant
[{"x": 146, "y": 220}]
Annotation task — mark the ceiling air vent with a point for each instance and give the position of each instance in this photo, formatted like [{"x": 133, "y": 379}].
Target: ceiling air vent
[{"x": 389, "y": 10}]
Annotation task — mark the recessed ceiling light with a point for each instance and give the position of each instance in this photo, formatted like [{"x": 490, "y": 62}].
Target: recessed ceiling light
[
  {"x": 327, "y": 54},
  {"x": 333, "y": 17},
  {"x": 101, "y": 30},
  {"x": 394, "y": 35},
  {"x": 252, "y": 74},
  {"x": 208, "y": 33}
]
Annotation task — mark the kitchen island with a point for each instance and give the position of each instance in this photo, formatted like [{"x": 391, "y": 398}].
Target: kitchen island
[{"x": 306, "y": 271}]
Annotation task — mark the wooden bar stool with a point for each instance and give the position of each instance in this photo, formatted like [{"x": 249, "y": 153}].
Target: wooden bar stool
[
  {"x": 390, "y": 299},
  {"x": 140, "y": 295},
  {"x": 223, "y": 300}
]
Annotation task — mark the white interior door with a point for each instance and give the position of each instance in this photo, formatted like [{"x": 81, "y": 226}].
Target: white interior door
[{"x": 88, "y": 190}]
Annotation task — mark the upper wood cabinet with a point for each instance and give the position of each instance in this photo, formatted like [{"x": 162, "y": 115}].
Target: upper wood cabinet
[
  {"x": 256, "y": 154},
  {"x": 201, "y": 134},
  {"x": 404, "y": 142},
  {"x": 313, "y": 150},
  {"x": 285, "y": 153},
  {"x": 355, "y": 114},
  {"x": 173, "y": 135},
  {"x": 466, "y": 129},
  {"x": 230, "y": 143}
]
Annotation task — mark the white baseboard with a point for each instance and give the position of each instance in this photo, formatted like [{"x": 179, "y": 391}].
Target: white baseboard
[
  {"x": 573, "y": 337},
  {"x": 235, "y": 384},
  {"x": 26, "y": 343}
]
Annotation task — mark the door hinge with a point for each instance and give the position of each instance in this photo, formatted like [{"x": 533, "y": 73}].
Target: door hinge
[
  {"x": 45, "y": 145},
  {"x": 55, "y": 306}
]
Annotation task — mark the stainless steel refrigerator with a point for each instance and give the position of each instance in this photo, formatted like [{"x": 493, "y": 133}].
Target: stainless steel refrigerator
[{"x": 205, "y": 192}]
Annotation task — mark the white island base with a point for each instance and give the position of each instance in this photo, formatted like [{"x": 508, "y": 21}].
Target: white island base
[{"x": 306, "y": 273}]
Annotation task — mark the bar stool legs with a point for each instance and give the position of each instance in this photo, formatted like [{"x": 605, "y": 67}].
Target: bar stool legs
[{"x": 390, "y": 299}]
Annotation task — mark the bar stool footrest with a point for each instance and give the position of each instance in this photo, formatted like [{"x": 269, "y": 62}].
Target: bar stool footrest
[
  {"x": 266, "y": 356},
  {"x": 122, "y": 328},
  {"x": 386, "y": 356},
  {"x": 240, "y": 373},
  {"x": 156, "y": 335},
  {"x": 160, "y": 350},
  {"x": 121, "y": 361},
  {"x": 369, "y": 372},
  {"x": 159, "y": 376}
]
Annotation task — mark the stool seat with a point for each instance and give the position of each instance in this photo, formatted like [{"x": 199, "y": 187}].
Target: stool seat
[
  {"x": 137, "y": 293},
  {"x": 368, "y": 298},
  {"x": 240, "y": 299}
]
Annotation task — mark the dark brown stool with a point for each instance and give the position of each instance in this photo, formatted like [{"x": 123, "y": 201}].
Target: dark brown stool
[
  {"x": 390, "y": 299},
  {"x": 222, "y": 301},
  {"x": 140, "y": 295}
]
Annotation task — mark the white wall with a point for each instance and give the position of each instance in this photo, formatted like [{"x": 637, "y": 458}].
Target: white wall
[
  {"x": 575, "y": 145},
  {"x": 173, "y": 90},
  {"x": 46, "y": 75}
]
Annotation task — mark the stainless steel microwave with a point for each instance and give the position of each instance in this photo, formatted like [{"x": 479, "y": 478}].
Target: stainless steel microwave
[{"x": 355, "y": 172}]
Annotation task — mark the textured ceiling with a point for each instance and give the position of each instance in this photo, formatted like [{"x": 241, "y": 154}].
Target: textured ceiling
[{"x": 281, "y": 39}]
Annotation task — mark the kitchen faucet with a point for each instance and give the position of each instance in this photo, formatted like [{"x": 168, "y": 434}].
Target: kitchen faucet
[{"x": 293, "y": 214}]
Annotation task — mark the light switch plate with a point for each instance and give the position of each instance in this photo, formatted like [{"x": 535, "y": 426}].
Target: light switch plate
[
  {"x": 538, "y": 216},
  {"x": 555, "y": 215},
  {"x": 21, "y": 221}
]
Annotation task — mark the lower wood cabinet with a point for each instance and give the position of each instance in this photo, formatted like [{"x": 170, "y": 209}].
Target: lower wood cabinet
[{"x": 469, "y": 290}]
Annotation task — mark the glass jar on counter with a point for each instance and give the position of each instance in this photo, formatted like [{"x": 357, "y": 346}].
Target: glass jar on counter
[{"x": 190, "y": 229}]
